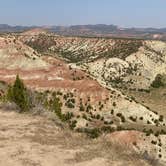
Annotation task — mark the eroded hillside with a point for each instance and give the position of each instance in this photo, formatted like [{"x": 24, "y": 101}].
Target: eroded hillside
[{"x": 86, "y": 74}]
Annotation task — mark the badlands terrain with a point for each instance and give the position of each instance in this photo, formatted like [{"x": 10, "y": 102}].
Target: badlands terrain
[{"x": 112, "y": 90}]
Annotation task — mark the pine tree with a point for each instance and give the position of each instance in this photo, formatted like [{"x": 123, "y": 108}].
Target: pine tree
[
  {"x": 18, "y": 94},
  {"x": 9, "y": 95}
]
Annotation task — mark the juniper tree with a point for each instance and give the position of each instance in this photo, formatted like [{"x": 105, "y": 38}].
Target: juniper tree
[{"x": 18, "y": 94}]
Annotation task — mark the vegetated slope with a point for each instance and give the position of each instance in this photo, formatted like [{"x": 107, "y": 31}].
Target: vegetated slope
[
  {"x": 117, "y": 62},
  {"x": 83, "y": 49},
  {"x": 137, "y": 71}
]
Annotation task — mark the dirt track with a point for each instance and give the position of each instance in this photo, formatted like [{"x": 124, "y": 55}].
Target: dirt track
[{"x": 27, "y": 140}]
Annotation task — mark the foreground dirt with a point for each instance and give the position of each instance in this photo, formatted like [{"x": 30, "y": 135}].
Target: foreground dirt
[{"x": 27, "y": 140}]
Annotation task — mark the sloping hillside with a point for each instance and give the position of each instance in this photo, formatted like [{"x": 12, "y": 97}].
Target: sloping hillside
[{"x": 14, "y": 54}]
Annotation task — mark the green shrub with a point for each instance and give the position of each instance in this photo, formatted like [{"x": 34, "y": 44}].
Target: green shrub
[
  {"x": 157, "y": 133},
  {"x": 56, "y": 107},
  {"x": 81, "y": 108},
  {"x": 133, "y": 119},
  {"x": 70, "y": 103},
  {"x": 112, "y": 111},
  {"x": 153, "y": 142},
  {"x": 114, "y": 104},
  {"x": 158, "y": 82},
  {"x": 72, "y": 124},
  {"x": 121, "y": 116},
  {"x": 141, "y": 118},
  {"x": 84, "y": 116},
  {"x": 148, "y": 132},
  {"x": 161, "y": 118},
  {"x": 107, "y": 129},
  {"x": 93, "y": 133},
  {"x": 67, "y": 116},
  {"x": 89, "y": 107},
  {"x": 98, "y": 116}
]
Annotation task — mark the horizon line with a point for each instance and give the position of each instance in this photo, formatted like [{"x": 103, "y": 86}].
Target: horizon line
[{"x": 56, "y": 25}]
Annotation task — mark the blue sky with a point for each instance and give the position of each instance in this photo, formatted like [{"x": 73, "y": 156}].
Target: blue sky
[{"x": 125, "y": 13}]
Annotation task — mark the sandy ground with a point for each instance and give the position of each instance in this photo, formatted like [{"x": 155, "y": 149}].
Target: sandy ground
[{"x": 27, "y": 140}]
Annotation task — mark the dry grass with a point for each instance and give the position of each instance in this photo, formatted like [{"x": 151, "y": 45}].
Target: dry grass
[
  {"x": 112, "y": 152},
  {"x": 36, "y": 136}
]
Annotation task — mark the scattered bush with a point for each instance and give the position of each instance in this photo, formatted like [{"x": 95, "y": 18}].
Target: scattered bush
[
  {"x": 56, "y": 107},
  {"x": 161, "y": 118},
  {"x": 112, "y": 111},
  {"x": 93, "y": 133},
  {"x": 70, "y": 103},
  {"x": 82, "y": 108},
  {"x": 153, "y": 142},
  {"x": 141, "y": 118},
  {"x": 84, "y": 116},
  {"x": 114, "y": 104},
  {"x": 98, "y": 116},
  {"x": 67, "y": 116},
  {"x": 158, "y": 82},
  {"x": 72, "y": 124},
  {"x": 121, "y": 117},
  {"x": 133, "y": 119}
]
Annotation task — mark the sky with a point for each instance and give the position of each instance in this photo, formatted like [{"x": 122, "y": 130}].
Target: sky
[{"x": 124, "y": 13}]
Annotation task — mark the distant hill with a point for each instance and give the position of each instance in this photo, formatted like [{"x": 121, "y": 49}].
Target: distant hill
[
  {"x": 8, "y": 28},
  {"x": 102, "y": 30},
  {"x": 98, "y": 30}
]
